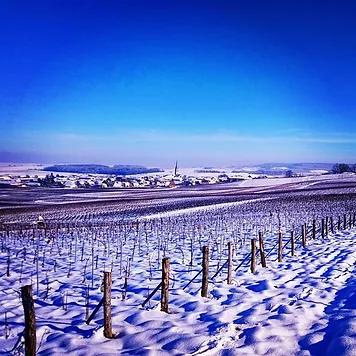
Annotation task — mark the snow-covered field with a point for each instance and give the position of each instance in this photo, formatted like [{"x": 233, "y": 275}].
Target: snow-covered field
[{"x": 304, "y": 305}]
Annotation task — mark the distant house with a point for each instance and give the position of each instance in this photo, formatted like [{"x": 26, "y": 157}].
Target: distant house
[
  {"x": 213, "y": 180},
  {"x": 6, "y": 178},
  {"x": 70, "y": 184},
  {"x": 223, "y": 178},
  {"x": 146, "y": 183},
  {"x": 33, "y": 184},
  {"x": 134, "y": 183},
  {"x": 187, "y": 183},
  {"x": 118, "y": 184}
]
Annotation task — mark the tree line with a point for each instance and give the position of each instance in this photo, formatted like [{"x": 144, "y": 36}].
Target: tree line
[{"x": 343, "y": 167}]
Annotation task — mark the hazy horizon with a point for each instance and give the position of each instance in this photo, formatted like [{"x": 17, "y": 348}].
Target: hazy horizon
[
  {"x": 237, "y": 165},
  {"x": 205, "y": 83}
]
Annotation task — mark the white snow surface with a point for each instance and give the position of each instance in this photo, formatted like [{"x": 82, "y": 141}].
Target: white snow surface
[
  {"x": 302, "y": 306},
  {"x": 203, "y": 208}
]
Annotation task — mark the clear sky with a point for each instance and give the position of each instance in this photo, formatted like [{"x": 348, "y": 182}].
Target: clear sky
[{"x": 205, "y": 82}]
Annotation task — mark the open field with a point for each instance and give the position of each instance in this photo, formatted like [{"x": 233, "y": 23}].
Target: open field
[
  {"x": 301, "y": 303},
  {"x": 32, "y": 201}
]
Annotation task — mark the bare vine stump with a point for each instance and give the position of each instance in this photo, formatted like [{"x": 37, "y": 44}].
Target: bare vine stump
[
  {"x": 229, "y": 262},
  {"x": 262, "y": 249},
  {"x": 339, "y": 223},
  {"x": 345, "y": 222},
  {"x": 327, "y": 226},
  {"x": 322, "y": 228},
  {"x": 107, "y": 306},
  {"x": 292, "y": 242},
  {"x": 165, "y": 285},
  {"x": 350, "y": 221},
  {"x": 253, "y": 256},
  {"x": 280, "y": 247},
  {"x": 30, "y": 320},
  {"x": 204, "y": 288}
]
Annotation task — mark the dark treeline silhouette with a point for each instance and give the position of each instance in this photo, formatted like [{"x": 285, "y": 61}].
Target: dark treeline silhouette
[{"x": 343, "y": 167}]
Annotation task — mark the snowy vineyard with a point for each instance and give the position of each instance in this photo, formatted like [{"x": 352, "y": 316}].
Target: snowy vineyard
[{"x": 206, "y": 254}]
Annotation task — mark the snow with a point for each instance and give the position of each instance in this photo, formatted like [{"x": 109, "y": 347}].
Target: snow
[
  {"x": 269, "y": 182},
  {"x": 302, "y": 306},
  {"x": 213, "y": 207}
]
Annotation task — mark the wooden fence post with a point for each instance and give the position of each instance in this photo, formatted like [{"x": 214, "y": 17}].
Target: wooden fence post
[
  {"x": 292, "y": 242},
  {"x": 204, "y": 288},
  {"x": 331, "y": 224},
  {"x": 8, "y": 260},
  {"x": 165, "y": 285},
  {"x": 314, "y": 229},
  {"x": 253, "y": 256},
  {"x": 107, "y": 305},
  {"x": 229, "y": 262},
  {"x": 87, "y": 299},
  {"x": 30, "y": 320},
  {"x": 262, "y": 249},
  {"x": 280, "y": 247}
]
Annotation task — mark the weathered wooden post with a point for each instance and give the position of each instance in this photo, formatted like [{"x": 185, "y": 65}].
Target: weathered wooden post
[
  {"x": 262, "y": 249},
  {"x": 280, "y": 247},
  {"x": 331, "y": 224},
  {"x": 292, "y": 242},
  {"x": 229, "y": 262},
  {"x": 87, "y": 298},
  {"x": 30, "y": 320},
  {"x": 204, "y": 288},
  {"x": 305, "y": 233},
  {"x": 165, "y": 285},
  {"x": 8, "y": 260},
  {"x": 314, "y": 229},
  {"x": 107, "y": 305},
  {"x": 253, "y": 256}
]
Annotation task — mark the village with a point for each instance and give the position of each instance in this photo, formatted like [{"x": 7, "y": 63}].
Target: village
[{"x": 167, "y": 179}]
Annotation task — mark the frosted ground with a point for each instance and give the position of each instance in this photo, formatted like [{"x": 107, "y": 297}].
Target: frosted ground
[{"x": 304, "y": 305}]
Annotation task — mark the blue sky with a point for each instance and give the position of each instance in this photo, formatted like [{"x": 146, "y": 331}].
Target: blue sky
[{"x": 204, "y": 82}]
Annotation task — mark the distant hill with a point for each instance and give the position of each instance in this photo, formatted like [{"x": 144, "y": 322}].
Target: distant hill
[
  {"x": 100, "y": 169},
  {"x": 281, "y": 168}
]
